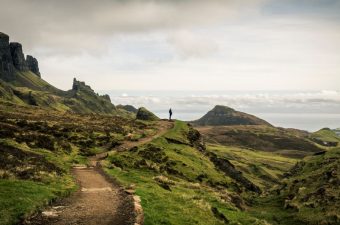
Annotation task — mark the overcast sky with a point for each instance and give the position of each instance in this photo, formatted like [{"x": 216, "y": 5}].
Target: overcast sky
[{"x": 181, "y": 44}]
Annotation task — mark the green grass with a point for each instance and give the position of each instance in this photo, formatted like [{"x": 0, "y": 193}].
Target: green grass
[
  {"x": 262, "y": 168},
  {"x": 20, "y": 198},
  {"x": 190, "y": 200},
  {"x": 302, "y": 192},
  {"x": 326, "y": 135}
]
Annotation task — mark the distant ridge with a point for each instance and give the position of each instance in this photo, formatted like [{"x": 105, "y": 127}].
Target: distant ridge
[
  {"x": 224, "y": 116},
  {"x": 129, "y": 108}
]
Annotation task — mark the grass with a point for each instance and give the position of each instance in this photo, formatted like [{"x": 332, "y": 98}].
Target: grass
[
  {"x": 311, "y": 193},
  {"x": 188, "y": 198},
  {"x": 21, "y": 198},
  {"x": 326, "y": 135},
  {"x": 262, "y": 168}
]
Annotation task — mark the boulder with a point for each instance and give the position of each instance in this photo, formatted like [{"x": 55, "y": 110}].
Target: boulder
[{"x": 144, "y": 114}]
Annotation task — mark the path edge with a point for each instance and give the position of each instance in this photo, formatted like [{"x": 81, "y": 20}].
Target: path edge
[{"x": 134, "y": 199}]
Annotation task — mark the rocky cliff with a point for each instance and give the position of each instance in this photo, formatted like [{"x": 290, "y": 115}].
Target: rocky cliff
[
  {"x": 32, "y": 64},
  {"x": 6, "y": 62},
  {"x": 12, "y": 59}
]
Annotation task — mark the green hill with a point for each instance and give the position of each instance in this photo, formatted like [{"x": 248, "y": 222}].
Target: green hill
[
  {"x": 308, "y": 195},
  {"x": 288, "y": 142},
  {"x": 326, "y": 137},
  {"x": 223, "y": 115}
]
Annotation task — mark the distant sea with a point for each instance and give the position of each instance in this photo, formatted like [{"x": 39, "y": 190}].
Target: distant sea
[
  {"x": 307, "y": 110},
  {"x": 304, "y": 121}
]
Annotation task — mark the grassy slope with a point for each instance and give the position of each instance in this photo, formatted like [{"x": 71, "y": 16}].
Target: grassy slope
[
  {"x": 19, "y": 197},
  {"x": 177, "y": 166},
  {"x": 287, "y": 142},
  {"x": 38, "y": 146},
  {"x": 326, "y": 135},
  {"x": 310, "y": 195},
  {"x": 262, "y": 168},
  {"x": 29, "y": 89}
]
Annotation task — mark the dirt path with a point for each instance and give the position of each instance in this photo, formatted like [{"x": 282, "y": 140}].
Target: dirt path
[{"x": 98, "y": 200}]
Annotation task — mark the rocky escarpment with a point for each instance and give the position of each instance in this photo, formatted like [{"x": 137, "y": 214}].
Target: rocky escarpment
[
  {"x": 89, "y": 98},
  {"x": 18, "y": 58},
  {"x": 12, "y": 59},
  {"x": 32, "y": 64},
  {"x": 80, "y": 87},
  {"x": 6, "y": 62}
]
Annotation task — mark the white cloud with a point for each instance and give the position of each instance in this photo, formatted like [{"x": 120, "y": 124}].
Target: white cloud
[{"x": 190, "y": 44}]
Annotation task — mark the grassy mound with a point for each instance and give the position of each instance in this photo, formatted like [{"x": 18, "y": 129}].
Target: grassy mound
[{"x": 144, "y": 114}]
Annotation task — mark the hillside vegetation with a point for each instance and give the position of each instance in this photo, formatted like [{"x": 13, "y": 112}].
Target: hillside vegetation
[
  {"x": 175, "y": 175},
  {"x": 222, "y": 115},
  {"x": 29, "y": 89},
  {"x": 39, "y": 146},
  {"x": 287, "y": 142}
]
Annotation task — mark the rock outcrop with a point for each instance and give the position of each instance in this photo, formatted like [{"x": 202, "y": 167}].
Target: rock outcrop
[
  {"x": 18, "y": 57},
  {"x": 81, "y": 86},
  {"x": 6, "y": 65},
  {"x": 12, "y": 59},
  {"x": 144, "y": 114},
  {"x": 33, "y": 65}
]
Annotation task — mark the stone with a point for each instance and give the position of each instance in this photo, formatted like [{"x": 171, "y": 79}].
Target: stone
[
  {"x": 18, "y": 57},
  {"x": 33, "y": 65},
  {"x": 144, "y": 114},
  {"x": 6, "y": 66}
]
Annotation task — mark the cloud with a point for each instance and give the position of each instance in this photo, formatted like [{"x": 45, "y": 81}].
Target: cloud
[
  {"x": 190, "y": 44},
  {"x": 80, "y": 26},
  {"x": 254, "y": 102}
]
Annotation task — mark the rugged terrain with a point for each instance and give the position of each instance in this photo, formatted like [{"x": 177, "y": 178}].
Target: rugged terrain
[{"x": 73, "y": 157}]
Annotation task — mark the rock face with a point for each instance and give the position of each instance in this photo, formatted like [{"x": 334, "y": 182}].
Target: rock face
[
  {"x": 6, "y": 65},
  {"x": 144, "y": 114},
  {"x": 222, "y": 115},
  {"x": 18, "y": 57},
  {"x": 12, "y": 59},
  {"x": 80, "y": 85},
  {"x": 32, "y": 64}
]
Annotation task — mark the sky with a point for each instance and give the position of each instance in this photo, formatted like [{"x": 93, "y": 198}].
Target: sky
[
  {"x": 260, "y": 56},
  {"x": 181, "y": 44}
]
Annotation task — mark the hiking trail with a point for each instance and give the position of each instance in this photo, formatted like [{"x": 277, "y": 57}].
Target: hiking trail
[{"x": 99, "y": 200}]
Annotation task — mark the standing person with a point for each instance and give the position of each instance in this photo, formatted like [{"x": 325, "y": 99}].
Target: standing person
[{"x": 170, "y": 114}]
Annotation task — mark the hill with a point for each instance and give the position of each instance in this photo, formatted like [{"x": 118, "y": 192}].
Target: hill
[
  {"x": 223, "y": 115},
  {"x": 21, "y": 83},
  {"x": 309, "y": 194},
  {"x": 326, "y": 137},
  {"x": 129, "y": 108},
  {"x": 288, "y": 142}
]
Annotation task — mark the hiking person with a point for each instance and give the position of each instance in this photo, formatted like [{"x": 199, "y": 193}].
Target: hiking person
[{"x": 170, "y": 114}]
